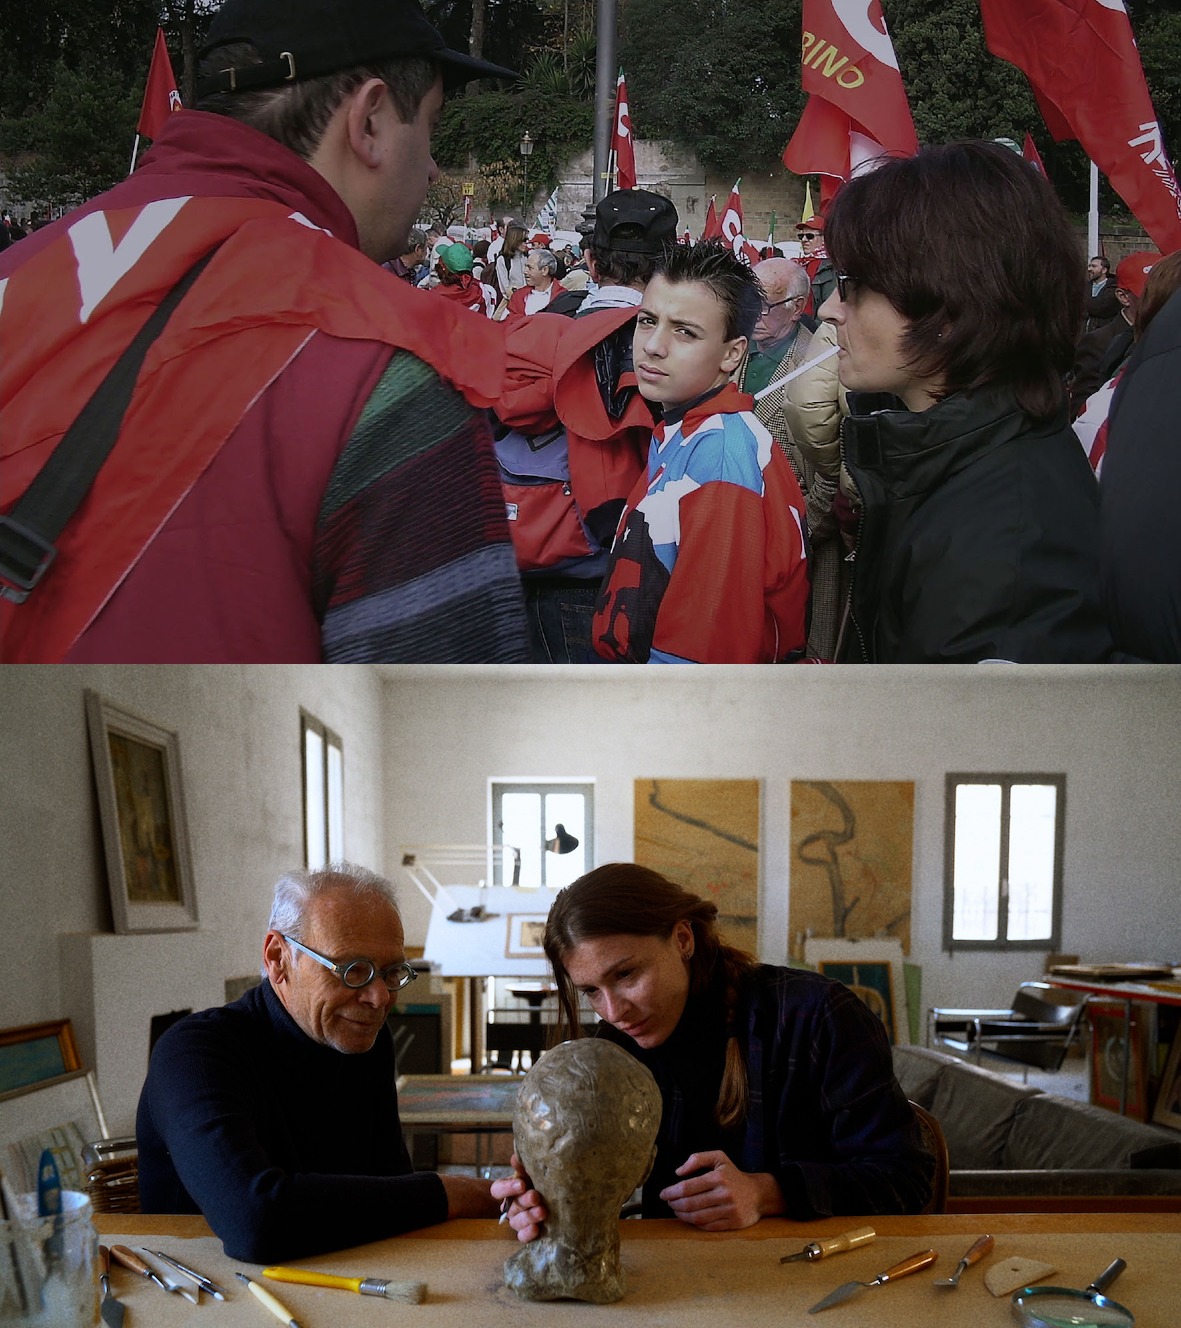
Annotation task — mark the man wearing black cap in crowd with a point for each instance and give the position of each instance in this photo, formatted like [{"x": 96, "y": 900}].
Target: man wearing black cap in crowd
[
  {"x": 578, "y": 430},
  {"x": 304, "y": 471}
]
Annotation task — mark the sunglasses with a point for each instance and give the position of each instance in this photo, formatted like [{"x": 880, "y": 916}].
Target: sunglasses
[
  {"x": 809, "y": 235},
  {"x": 845, "y": 283}
]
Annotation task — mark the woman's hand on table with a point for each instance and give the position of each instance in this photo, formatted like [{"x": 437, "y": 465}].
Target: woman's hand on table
[
  {"x": 721, "y": 1197},
  {"x": 523, "y": 1206}
]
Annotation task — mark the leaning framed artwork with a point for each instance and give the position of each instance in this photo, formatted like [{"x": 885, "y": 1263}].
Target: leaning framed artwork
[
  {"x": 35, "y": 1052},
  {"x": 141, "y": 807},
  {"x": 1168, "y": 1100},
  {"x": 526, "y": 931},
  {"x": 1113, "y": 1038},
  {"x": 873, "y": 971}
]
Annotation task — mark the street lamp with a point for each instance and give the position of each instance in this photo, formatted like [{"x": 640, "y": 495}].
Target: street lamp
[{"x": 526, "y": 152}]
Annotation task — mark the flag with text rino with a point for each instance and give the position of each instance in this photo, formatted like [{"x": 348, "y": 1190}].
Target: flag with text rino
[{"x": 857, "y": 108}]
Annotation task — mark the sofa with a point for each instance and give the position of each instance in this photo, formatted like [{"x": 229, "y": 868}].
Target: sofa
[{"x": 1015, "y": 1148}]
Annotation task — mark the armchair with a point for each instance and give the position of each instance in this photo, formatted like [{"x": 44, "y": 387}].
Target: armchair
[{"x": 1037, "y": 1029}]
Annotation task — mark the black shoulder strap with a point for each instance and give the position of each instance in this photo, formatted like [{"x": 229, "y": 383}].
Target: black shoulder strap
[{"x": 28, "y": 531}]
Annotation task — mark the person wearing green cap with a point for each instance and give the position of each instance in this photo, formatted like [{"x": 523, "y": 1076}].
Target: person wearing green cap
[{"x": 457, "y": 282}]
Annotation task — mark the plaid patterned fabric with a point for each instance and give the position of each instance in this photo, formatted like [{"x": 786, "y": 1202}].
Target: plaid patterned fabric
[{"x": 409, "y": 566}]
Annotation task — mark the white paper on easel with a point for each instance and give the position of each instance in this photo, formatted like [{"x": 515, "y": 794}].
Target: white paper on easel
[{"x": 859, "y": 965}]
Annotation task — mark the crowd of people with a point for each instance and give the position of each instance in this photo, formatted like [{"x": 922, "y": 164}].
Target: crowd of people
[{"x": 641, "y": 451}]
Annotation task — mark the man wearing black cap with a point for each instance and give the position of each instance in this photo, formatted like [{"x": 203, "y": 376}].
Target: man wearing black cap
[
  {"x": 578, "y": 429},
  {"x": 303, "y": 472}
]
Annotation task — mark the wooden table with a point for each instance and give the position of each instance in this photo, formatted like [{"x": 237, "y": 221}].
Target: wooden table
[{"x": 678, "y": 1277}]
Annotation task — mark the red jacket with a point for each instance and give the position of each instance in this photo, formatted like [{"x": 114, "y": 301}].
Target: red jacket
[
  {"x": 550, "y": 381},
  {"x": 516, "y": 301},
  {"x": 195, "y": 542}
]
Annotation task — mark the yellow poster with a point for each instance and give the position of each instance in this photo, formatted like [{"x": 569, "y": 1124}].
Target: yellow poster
[
  {"x": 851, "y": 855},
  {"x": 704, "y": 834}
]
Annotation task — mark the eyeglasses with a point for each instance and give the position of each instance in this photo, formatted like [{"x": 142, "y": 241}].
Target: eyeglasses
[
  {"x": 809, "y": 235},
  {"x": 791, "y": 299},
  {"x": 844, "y": 282},
  {"x": 359, "y": 973}
]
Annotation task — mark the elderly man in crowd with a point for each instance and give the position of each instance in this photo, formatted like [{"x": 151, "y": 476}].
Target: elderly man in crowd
[
  {"x": 816, "y": 261},
  {"x": 541, "y": 285},
  {"x": 780, "y": 341},
  {"x": 277, "y": 1116}
]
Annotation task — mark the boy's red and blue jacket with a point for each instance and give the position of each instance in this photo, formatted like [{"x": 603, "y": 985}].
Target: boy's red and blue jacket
[{"x": 709, "y": 564}]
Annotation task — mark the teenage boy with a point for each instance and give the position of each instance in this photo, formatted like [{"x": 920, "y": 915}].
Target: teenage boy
[{"x": 709, "y": 561}]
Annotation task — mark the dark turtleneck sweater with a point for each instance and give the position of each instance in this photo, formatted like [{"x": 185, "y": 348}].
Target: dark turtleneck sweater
[{"x": 287, "y": 1147}]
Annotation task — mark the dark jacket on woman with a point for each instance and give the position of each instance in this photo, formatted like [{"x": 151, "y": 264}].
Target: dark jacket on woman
[
  {"x": 979, "y": 539},
  {"x": 827, "y": 1118}
]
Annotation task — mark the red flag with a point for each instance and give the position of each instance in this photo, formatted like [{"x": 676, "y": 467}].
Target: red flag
[
  {"x": 731, "y": 222},
  {"x": 713, "y": 227},
  {"x": 160, "y": 96},
  {"x": 621, "y": 139},
  {"x": 1082, "y": 60},
  {"x": 857, "y": 108},
  {"x": 1031, "y": 154}
]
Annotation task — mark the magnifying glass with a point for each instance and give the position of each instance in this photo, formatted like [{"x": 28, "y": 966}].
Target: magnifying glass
[{"x": 1061, "y": 1307}]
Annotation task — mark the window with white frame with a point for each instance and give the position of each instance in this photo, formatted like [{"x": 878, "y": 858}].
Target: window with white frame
[
  {"x": 525, "y": 818},
  {"x": 1003, "y": 861},
  {"x": 323, "y": 792}
]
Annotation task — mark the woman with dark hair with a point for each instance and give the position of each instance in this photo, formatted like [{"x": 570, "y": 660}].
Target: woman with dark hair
[
  {"x": 956, "y": 311},
  {"x": 777, "y": 1084},
  {"x": 510, "y": 261}
]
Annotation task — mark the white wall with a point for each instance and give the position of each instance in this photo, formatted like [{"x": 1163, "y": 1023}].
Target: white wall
[
  {"x": 1116, "y": 733},
  {"x": 239, "y": 747}
]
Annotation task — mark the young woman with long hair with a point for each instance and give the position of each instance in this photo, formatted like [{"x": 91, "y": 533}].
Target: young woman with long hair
[{"x": 778, "y": 1087}]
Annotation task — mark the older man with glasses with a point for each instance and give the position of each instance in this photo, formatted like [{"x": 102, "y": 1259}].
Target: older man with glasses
[
  {"x": 277, "y": 1116},
  {"x": 816, "y": 261},
  {"x": 780, "y": 339}
]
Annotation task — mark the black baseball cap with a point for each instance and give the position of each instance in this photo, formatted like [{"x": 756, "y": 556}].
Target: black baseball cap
[
  {"x": 634, "y": 221},
  {"x": 299, "y": 39}
]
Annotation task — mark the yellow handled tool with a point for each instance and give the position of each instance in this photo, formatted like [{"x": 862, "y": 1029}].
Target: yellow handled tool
[
  {"x": 412, "y": 1293},
  {"x": 821, "y": 1249}
]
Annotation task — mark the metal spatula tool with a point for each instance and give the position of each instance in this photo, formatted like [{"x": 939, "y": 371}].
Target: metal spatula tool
[
  {"x": 977, "y": 1252},
  {"x": 112, "y": 1310},
  {"x": 913, "y": 1264}
]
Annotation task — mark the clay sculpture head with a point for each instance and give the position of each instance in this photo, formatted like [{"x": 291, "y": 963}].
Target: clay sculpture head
[{"x": 585, "y": 1131}]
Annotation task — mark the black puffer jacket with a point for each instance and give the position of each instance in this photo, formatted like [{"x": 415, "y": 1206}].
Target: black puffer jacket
[{"x": 980, "y": 536}]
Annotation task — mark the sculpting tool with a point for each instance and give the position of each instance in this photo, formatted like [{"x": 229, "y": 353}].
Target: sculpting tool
[
  {"x": 821, "y": 1249},
  {"x": 207, "y": 1284},
  {"x": 977, "y": 1252},
  {"x": 112, "y": 1310},
  {"x": 129, "y": 1259},
  {"x": 411, "y": 1293},
  {"x": 272, "y": 1303},
  {"x": 913, "y": 1264}
]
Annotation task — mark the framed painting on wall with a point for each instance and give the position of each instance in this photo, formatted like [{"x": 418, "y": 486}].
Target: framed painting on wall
[
  {"x": 852, "y": 844},
  {"x": 704, "y": 834},
  {"x": 141, "y": 806}
]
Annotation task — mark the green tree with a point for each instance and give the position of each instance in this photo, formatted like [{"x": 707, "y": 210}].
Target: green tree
[{"x": 728, "y": 86}]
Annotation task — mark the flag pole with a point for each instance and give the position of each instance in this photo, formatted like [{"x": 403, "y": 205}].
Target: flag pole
[
  {"x": 134, "y": 154},
  {"x": 1093, "y": 214}
]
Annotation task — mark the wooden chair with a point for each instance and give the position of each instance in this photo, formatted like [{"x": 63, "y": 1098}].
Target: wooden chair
[{"x": 935, "y": 1144}]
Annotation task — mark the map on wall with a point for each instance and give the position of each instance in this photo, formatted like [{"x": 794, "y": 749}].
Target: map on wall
[
  {"x": 851, "y": 856},
  {"x": 704, "y": 834}
]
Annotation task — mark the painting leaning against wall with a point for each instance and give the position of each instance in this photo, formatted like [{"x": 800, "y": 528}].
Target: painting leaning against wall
[
  {"x": 704, "y": 834},
  {"x": 852, "y": 845}
]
